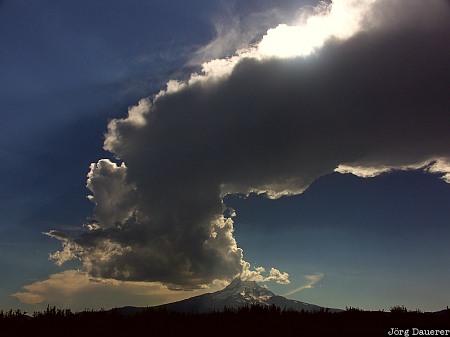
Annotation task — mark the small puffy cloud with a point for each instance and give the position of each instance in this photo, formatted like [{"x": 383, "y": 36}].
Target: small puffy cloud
[
  {"x": 77, "y": 290},
  {"x": 278, "y": 276},
  {"x": 257, "y": 274},
  {"x": 370, "y": 96}
]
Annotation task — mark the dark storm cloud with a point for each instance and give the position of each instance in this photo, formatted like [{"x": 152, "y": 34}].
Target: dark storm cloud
[{"x": 376, "y": 101}]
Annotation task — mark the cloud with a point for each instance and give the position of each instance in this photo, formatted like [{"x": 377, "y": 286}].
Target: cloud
[
  {"x": 340, "y": 20},
  {"x": 257, "y": 274},
  {"x": 367, "y": 99},
  {"x": 112, "y": 195},
  {"x": 229, "y": 36},
  {"x": 77, "y": 290},
  {"x": 311, "y": 281},
  {"x": 439, "y": 166},
  {"x": 236, "y": 29}
]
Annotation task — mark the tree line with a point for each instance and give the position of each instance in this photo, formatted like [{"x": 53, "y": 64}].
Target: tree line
[{"x": 249, "y": 320}]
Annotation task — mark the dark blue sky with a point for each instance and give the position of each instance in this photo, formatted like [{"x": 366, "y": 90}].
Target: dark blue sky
[
  {"x": 67, "y": 68},
  {"x": 382, "y": 240}
]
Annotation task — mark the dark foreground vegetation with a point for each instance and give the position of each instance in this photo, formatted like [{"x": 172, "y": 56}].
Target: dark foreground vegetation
[{"x": 247, "y": 321}]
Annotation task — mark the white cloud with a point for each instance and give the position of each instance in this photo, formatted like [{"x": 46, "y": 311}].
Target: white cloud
[
  {"x": 236, "y": 30},
  {"x": 311, "y": 280},
  {"x": 340, "y": 19},
  {"x": 257, "y": 275}
]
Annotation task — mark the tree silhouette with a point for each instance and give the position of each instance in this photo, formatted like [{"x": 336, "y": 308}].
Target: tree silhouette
[{"x": 251, "y": 320}]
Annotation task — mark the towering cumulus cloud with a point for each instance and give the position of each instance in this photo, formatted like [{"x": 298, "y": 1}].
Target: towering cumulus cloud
[{"x": 355, "y": 86}]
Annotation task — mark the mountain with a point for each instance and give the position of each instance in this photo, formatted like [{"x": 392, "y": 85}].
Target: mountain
[{"x": 238, "y": 294}]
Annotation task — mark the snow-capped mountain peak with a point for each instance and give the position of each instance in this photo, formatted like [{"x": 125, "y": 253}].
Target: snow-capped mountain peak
[
  {"x": 239, "y": 293},
  {"x": 244, "y": 293}
]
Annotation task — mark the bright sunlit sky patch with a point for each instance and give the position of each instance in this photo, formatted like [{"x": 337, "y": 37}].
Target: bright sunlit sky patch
[
  {"x": 302, "y": 144},
  {"x": 310, "y": 31}
]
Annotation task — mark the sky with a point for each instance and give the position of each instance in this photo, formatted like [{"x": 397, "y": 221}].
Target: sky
[{"x": 153, "y": 151}]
